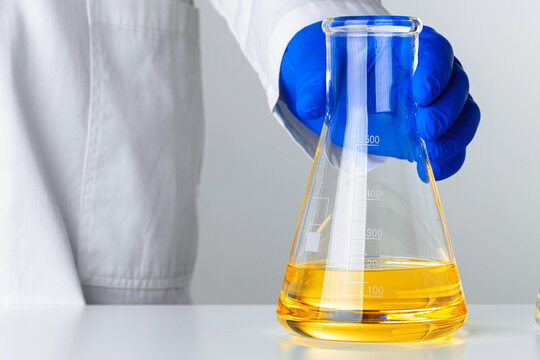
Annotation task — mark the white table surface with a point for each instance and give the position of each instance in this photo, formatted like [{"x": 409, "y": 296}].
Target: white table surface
[{"x": 240, "y": 332}]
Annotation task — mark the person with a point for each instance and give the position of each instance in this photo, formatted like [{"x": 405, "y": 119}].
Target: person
[{"x": 102, "y": 133}]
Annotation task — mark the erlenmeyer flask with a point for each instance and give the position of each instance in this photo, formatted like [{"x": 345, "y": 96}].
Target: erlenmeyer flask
[{"x": 371, "y": 259}]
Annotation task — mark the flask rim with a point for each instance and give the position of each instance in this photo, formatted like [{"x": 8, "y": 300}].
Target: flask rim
[{"x": 372, "y": 25}]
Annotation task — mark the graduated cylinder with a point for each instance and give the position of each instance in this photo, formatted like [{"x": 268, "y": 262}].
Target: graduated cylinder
[{"x": 371, "y": 258}]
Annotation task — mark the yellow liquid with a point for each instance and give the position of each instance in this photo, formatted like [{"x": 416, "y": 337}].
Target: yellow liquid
[
  {"x": 537, "y": 309},
  {"x": 391, "y": 300}
]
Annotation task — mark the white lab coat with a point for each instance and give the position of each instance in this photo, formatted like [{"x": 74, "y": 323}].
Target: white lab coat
[{"x": 101, "y": 136}]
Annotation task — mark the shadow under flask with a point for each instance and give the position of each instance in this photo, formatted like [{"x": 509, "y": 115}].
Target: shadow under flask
[{"x": 371, "y": 259}]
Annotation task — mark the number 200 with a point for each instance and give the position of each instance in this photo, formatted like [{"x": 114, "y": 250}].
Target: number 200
[{"x": 374, "y": 264}]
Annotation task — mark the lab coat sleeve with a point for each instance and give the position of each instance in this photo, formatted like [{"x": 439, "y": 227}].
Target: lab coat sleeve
[{"x": 263, "y": 28}]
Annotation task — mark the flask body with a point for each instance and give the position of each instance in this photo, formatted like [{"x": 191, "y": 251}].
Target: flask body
[{"x": 371, "y": 259}]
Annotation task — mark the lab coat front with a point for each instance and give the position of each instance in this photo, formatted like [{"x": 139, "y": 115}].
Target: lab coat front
[{"x": 101, "y": 137}]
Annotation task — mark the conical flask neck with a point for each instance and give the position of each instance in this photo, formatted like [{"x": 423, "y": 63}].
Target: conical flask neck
[{"x": 370, "y": 102}]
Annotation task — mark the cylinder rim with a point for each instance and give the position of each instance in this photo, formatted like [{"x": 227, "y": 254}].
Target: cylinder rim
[{"x": 372, "y": 25}]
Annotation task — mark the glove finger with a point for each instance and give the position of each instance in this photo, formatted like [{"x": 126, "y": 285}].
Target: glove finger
[
  {"x": 311, "y": 92},
  {"x": 458, "y": 136},
  {"x": 435, "y": 62},
  {"x": 433, "y": 120},
  {"x": 310, "y": 72},
  {"x": 302, "y": 78},
  {"x": 446, "y": 168}
]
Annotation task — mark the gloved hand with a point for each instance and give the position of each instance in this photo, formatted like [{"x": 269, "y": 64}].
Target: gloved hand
[{"x": 447, "y": 116}]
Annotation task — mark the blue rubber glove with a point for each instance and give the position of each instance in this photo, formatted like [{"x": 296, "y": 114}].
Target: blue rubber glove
[{"x": 447, "y": 116}]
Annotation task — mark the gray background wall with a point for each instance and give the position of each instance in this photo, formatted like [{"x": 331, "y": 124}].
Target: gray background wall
[{"x": 254, "y": 176}]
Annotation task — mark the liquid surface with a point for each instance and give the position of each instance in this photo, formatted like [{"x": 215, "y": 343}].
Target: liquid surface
[{"x": 390, "y": 300}]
